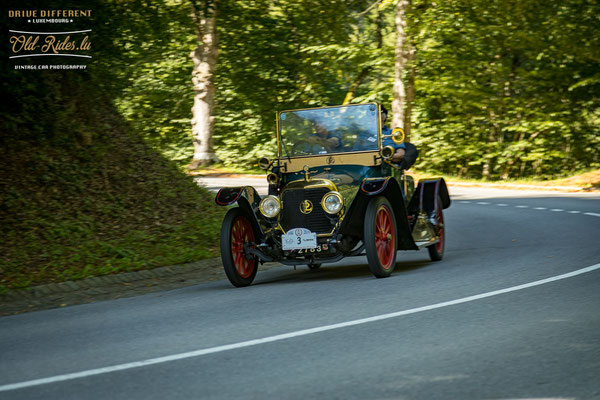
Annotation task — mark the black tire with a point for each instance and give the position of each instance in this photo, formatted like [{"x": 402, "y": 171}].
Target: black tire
[
  {"x": 236, "y": 230},
  {"x": 314, "y": 266},
  {"x": 380, "y": 237},
  {"x": 436, "y": 251}
]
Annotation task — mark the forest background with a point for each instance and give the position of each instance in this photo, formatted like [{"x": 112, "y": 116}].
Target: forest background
[
  {"x": 92, "y": 161},
  {"x": 502, "y": 89}
]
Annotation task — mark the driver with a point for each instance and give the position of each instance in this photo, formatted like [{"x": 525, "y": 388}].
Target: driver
[{"x": 322, "y": 139}]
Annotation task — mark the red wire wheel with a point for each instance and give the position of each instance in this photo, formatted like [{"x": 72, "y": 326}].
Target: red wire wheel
[
  {"x": 241, "y": 233},
  {"x": 385, "y": 236},
  {"x": 236, "y": 232},
  {"x": 380, "y": 237},
  {"x": 436, "y": 251}
]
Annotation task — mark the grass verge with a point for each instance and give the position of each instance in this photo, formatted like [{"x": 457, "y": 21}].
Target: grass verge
[{"x": 92, "y": 199}]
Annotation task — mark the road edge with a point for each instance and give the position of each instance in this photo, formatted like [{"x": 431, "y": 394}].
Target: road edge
[{"x": 110, "y": 287}]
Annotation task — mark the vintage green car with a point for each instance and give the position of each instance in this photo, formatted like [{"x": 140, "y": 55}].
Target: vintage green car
[{"x": 333, "y": 193}]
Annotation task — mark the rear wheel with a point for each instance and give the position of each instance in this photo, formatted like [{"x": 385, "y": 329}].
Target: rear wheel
[
  {"x": 380, "y": 237},
  {"x": 236, "y": 231},
  {"x": 436, "y": 251}
]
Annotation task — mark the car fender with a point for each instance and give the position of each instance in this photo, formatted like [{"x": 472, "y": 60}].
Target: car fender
[
  {"x": 373, "y": 187},
  {"x": 426, "y": 194},
  {"x": 247, "y": 198}
]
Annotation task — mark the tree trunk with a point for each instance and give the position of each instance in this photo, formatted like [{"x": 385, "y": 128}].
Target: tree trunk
[
  {"x": 399, "y": 90},
  {"x": 522, "y": 169},
  {"x": 410, "y": 90},
  {"x": 204, "y": 57},
  {"x": 493, "y": 137},
  {"x": 514, "y": 159}
]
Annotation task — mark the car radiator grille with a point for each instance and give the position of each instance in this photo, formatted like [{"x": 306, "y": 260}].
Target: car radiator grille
[{"x": 292, "y": 217}]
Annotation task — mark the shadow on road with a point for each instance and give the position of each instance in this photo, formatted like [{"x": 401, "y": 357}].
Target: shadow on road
[{"x": 331, "y": 272}]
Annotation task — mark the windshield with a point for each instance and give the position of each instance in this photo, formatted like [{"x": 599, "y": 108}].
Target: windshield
[{"x": 328, "y": 130}]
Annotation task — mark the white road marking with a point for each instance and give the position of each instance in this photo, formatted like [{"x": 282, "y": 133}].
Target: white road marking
[
  {"x": 535, "y": 208},
  {"x": 464, "y": 201},
  {"x": 270, "y": 339},
  {"x": 543, "y": 398}
]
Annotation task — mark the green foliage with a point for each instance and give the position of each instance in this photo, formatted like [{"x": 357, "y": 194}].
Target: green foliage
[
  {"x": 505, "y": 89},
  {"x": 81, "y": 194},
  {"x": 498, "y": 88},
  {"x": 277, "y": 55},
  {"x": 70, "y": 210}
]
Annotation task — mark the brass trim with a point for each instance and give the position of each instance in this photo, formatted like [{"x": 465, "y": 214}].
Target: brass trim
[
  {"x": 422, "y": 231},
  {"x": 315, "y": 183},
  {"x": 264, "y": 163},
  {"x": 338, "y": 106},
  {"x": 306, "y": 168},
  {"x": 369, "y": 157},
  {"x": 319, "y": 235},
  {"x": 379, "y": 128},
  {"x": 339, "y": 196},
  {"x": 396, "y": 166},
  {"x": 306, "y": 207},
  {"x": 395, "y": 137},
  {"x": 273, "y": 179},
  {"x": 278, "y": 134},
  {"x": 260, "y": 208},
  {"x": 385, "y": 150}
]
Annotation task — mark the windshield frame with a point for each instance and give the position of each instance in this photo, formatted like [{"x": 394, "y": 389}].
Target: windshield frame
[{"x": 284, "y": 154}]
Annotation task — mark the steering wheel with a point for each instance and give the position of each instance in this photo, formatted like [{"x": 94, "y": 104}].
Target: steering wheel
[{"x": 301, "y": 146}]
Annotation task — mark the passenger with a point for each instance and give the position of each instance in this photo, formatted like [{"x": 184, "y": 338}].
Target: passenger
[
  {"x": 366, "y": 140},
  {"x": 405, "y": 154},
  {"x": 399, "y": 149}
]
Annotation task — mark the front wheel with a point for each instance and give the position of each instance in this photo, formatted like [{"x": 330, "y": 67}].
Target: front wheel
[
  {"x": 236, "y": 231},
  {"x": 380, "y": 237},
  {"x": 436, "y": 251}
]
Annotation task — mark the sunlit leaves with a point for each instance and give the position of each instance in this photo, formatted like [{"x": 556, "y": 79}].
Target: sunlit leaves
[
  {"x": 503, "y": 85},
  {"x": 494, "y": 80}
]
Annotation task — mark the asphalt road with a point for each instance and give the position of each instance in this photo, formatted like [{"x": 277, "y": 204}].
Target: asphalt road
[{"x": 443, "y": 330}]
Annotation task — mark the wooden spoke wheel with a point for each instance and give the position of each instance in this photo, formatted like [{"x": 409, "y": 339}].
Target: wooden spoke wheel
[
  {"x": 236, "y": 233},
  {"x": 436, "y": 251},
  {"x": 380, "y": 237}
]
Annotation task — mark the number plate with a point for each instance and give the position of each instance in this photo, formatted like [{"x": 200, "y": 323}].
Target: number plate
[{"x": 299, "y": 238}]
